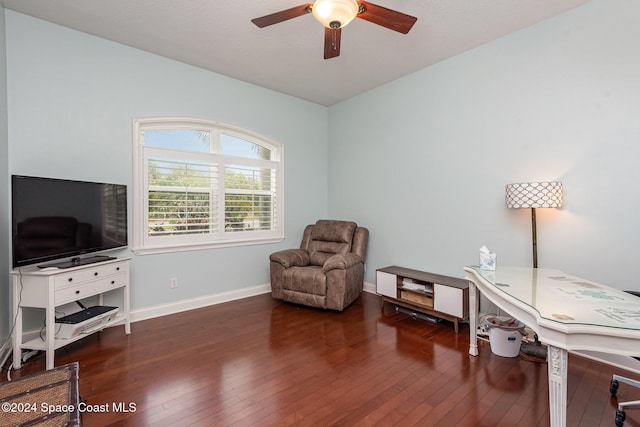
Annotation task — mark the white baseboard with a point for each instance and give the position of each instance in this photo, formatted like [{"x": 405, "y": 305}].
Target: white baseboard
[
  {"x": 5, "y": 352},
  {"x": 185, "y": 305},
  {"x": 370, "y": 287},
  {"x": 7, "y": 349},
  {"x": 207, "y": 300},
  {"x": 199, "y": 302}
]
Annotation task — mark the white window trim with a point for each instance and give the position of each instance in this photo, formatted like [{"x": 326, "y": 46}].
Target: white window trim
[{"x": 142, "y": 245}]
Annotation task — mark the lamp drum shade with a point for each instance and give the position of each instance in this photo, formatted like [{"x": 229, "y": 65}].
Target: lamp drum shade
[{"x": 534, "y": 195}]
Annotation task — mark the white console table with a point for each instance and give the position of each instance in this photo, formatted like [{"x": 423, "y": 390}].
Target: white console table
[
  {"x": 50, "y": 288},
  {"x": 567, "y": 313}
]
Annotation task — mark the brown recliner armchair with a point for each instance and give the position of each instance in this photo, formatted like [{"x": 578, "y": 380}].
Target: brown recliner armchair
[{"x": 328, "y": 269}]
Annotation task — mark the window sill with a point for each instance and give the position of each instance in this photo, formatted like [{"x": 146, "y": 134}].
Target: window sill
[{"x": 148, "y": 250}]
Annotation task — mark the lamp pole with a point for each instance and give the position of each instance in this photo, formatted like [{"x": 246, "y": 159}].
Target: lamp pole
[{"x": 534, "y": 238}]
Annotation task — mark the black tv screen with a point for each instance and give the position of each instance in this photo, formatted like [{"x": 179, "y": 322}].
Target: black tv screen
[{"x": 55, "y": 219}]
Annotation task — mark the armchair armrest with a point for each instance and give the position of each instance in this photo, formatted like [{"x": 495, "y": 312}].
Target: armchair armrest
[
  {"x": 341, "y": 261},
  {"x": 291, "y": 258}
]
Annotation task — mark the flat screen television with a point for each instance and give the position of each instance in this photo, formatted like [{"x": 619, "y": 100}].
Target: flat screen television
[{"x": 60, "y": 220}]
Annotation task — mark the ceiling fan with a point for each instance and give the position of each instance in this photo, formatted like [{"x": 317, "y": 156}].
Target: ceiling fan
[{"x": 335, "y": 14}]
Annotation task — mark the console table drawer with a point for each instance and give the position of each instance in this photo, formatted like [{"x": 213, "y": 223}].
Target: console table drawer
[
  {"x": 110, "y": 283},
  {"x": 68, "y": 279},
  {"x": 104, "y": 271},
  {"x": 75, "y": 278},
  {"x": 73, "y": 293},
  {"x": 426, "y": 300}
]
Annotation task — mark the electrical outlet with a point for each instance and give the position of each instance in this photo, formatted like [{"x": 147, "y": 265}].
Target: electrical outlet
[{"x": 173, "y": 282}]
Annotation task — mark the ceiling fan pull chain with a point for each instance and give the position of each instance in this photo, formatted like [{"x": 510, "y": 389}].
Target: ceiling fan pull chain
[{"x": 334, "y": 28}]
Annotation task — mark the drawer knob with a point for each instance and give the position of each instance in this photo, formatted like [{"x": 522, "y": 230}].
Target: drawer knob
[
  {"x": 117, "y": 268},
  {"x": 95, "y": 274},
  {"x": 70, "y": 279},
  {"x": 113, "y": 282},
  {"x": 77, "y": 292}
]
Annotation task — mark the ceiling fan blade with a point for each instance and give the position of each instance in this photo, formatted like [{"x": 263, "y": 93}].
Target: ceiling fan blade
[
  {"x": 391, "y": 19},
  {"x": 283, "y": 15},
  {"x": 332, "y": 42}
]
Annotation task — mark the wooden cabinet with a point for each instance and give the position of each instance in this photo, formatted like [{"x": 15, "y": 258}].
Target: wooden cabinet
[
  {"x": 48, "y": 289},
  {"x": 433, "y": 294}
]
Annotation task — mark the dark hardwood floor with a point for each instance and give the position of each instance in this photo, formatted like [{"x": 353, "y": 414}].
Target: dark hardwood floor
[{"x": 261, "y": 362}]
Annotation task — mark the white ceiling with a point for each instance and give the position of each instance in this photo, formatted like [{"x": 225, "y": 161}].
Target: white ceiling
[{"x": 288, "y": 57}]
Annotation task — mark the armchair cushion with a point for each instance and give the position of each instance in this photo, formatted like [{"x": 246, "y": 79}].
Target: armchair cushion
[
  {"x": 308, "y": 280},
  {"x": 329, "y": 238}
]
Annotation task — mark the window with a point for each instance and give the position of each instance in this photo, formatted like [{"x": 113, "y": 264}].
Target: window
[
  {"x": 201, "y": 184},
  {"x": 114, "y": 212}
]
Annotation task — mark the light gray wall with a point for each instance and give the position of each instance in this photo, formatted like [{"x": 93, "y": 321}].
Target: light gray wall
[
  {"x": 423, "y": 161},
  {"x": 71, "y": 100},
  {"x": 5, "y": 312}
]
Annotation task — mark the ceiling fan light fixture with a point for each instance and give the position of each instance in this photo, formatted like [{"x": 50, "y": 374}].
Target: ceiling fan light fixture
[{"x": 335, "y": 13}]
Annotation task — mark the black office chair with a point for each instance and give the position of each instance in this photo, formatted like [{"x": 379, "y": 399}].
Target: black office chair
[
  {"x": 633, "y": 404},
  {"x": 615, "y": 383}
]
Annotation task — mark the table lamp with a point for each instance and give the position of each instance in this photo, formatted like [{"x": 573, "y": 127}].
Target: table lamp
[{"x": 534, "y": 195}]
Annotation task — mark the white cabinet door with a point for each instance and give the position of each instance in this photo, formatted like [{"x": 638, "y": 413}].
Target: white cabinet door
[
  {"x": 386, "y": 284},
  {"x": 448, "y": 299}
]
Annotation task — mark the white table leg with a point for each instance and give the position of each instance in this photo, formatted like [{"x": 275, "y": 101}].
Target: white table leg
[
  {"x": 557, "y": 361},
  {"x": 473, "y": 319},
  {"x": 127, "y": 309},
  {"x": 50, "y": 337},
  {"x": 17, "y": 337}
]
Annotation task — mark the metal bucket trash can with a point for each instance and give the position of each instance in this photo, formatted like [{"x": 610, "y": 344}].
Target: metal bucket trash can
[{"x": 505, "y": 335}]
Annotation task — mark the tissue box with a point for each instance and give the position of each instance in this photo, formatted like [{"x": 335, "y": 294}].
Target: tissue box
[{"x": 487, "y": 261}]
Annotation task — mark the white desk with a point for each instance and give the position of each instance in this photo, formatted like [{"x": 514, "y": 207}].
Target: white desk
[{"x": 567, "y": 313}]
